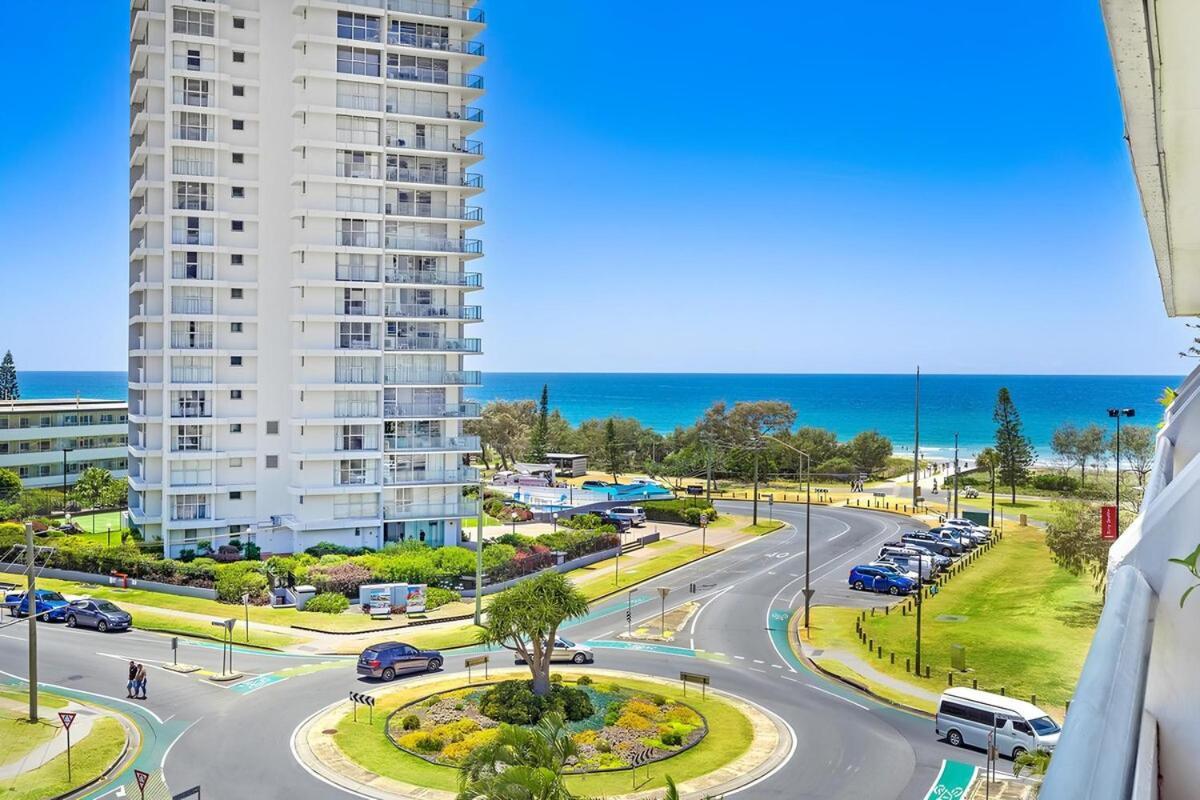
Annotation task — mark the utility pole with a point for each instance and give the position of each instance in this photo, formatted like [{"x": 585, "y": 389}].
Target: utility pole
[
  {"x": 956, "y": 474},
  {"x": 708, "y": 473},
  {"x": 31, "y": 609},
  {"x": 808, "y": 592},
  {"x": 916, "y": 493},
  {"x": 479, "y": 558},
  {"x": 1117, "y": 413},
  {"x": 920, "y": 596},
  {"x": 755, "y": 521}
]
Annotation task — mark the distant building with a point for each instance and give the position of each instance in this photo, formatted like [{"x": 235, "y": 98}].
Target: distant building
[
  {"x": 572, "y": 465},
  {"x": 36, "y": 436}
]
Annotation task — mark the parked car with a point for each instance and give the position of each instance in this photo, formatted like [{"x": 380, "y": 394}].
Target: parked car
[
  {"x": 929, "y": 562},
  {"x": 969, "y": 717},
  {"x": 635, "y": 514},
  {"x": 567, "y": 651},
  {"x": 940, "y": 562},
  {"x": 48, "y": 605},
  {"x": 968, "y": 525},
  {"x": 977, "y": 537},
  {"x": 887, "y": 565},
  {"x": 620, "y": 523},
  {"x": 864, "y": 577},
  {"x": 912, "y": 566},
  {"x": 386, "y": 660},
  {"x": 946, "y": 546},
  {"x": 99, "y": 614},
  {"x": 957, "y": 535}
]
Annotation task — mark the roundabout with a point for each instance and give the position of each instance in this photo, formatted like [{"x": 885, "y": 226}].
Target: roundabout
[{"x": 741, "y": 742}]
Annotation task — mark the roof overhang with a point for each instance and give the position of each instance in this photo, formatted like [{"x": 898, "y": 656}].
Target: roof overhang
[{"x": 1158, "y": 71}]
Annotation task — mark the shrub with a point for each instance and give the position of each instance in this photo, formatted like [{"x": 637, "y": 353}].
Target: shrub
[
  {"x": 343, "y": 578},
  {"x": 683, "y": 715},
  {"x": 634, "y": 722},
  {"x": 556, "y": 678},
  {"x": 496, "y": 555},
  {"x": 671, "y": 739},
  {"x": 455, "y": 731},
  {"x": 187, "y": 554},
  {"x": 328, "y": 603},
  {"x": 251, "y": 552},
  {"x": 641, "y": 707},
  {"x": 517, "y": 540},
  {"x": 681, "y": 509},
  {"x": 1055, "y": 482},
  {"x": 329, "y": 548},
  {"x": 422, "y": 742},
  {"x": 457, "y": 751},
  {"x": 514, "y": 702},
  {"x": 436, "y": 597},
  {"x": 240, "y": 578},
  {"x": 411, "y": 723},
  {"x": 583, "y": 680}
]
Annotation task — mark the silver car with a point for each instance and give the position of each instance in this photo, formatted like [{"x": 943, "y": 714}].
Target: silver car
[
  {"x": 566, "y": 651},
  {"x": 634, "y": 515}
]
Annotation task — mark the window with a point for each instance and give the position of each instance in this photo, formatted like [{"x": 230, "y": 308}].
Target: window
[
  {"x": 235, "y": 394},
  {"x": 235, "y": 427},
  {"x": 239, "y": 22},
  {"x": 235, "y": 361},
  {"x": 272, "y": 427},
  {"x": 357, "y": 130},
  {"x": 358, "y": 61},
  {"x": 235, "y": 462},
  {"x": 235, "y": 327},
  {"x": 353, "y": 437},
  {"x": 272, "y": 462},
  {"x": 355, "y": 506},
  {"x": 239, "y": 124},
  {"x": 237, "y": 225},
  {"x": 192, "y": 196},
  {"x": 239, "y": 57},
  {"x": 353, "y": 472},
  {"x": 239, "y": 91},
  {"x": 234, "y": 496},
  {"x": 362, "y": 96},
  {"x": 235, "y": 294},
  {"x": 191, "y": 437},
  {"x": 193, "y": 22},
  {"x": 191, "y": 91},
  {"x": 357, "y": 266},
  {"x": 238, "y": 158},
  {"x": 237, "y": 191},
  {"x": 190, "y": 506},
  {"x": 235, "y": 259},
  {"x": 360, "y": 27},
  {"x": 192, "y": 126}
]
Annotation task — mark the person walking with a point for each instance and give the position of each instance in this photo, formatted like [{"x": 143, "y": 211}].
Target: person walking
[
  {"x": 140, "y": 689},
  {"x": 132, "y": 684}
]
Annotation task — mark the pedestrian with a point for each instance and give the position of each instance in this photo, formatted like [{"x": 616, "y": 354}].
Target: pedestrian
[
  {"x": 140, "y": 689},
  {"x": 132, "y": 684}
]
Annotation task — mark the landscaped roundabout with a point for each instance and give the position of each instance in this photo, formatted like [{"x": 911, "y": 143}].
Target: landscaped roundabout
[{"x": 608, "y": 734}]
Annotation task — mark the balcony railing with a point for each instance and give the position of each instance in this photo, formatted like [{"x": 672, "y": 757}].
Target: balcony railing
[
  {"x": 366, "y": 308},
  {"x": 431, "y": 410},
  {"x": 191, "y": 133},
  {"x": 357, "y": 170},
  {"x": 396, "y": 242},
  {"x": 428, "y": 8},
  {"x": 198, "y": 99},
  {"x": 203, "y": 168},
  {"x": 429, "y": 476},
  {"x": 354, "y": 376},
  {"x": 358, "y": 102},
  {"x": 424, "y": 278},
  {"x": 190, "y": 513},
  {"x": 425, "y": 311},
  {"x": 433, "y": 343},
  {"x": 192, "y": 341},
  {"x": 190, "y": 412},
  {"x": 356, "y": 410},
  {"x": 134, "y": 110},
  {"x": 428, "y": 511},
  {"x": 192, "y": 444},
  {"x": 192, "y": 237},
  {"x": 471, "y": 180},
  {"x": 430, "y": 211},
  {"x": 413, "y": 377},
  {"x": 418, "y": 443},
  {"x": 191, "y": 375},
  {"x": 442, "y": 44},
  {"x": 465, "y": 80},
  {"x": 195, "y": 63},
  {"x": 355, "y": 478},
  {"x": 469, "y": 146},
  {"x": 462, "y": 113},
  {"x": 349, "y": 343},
  {"x": 191, "y": 203},
  {"x": 358, "y": 205},
  {"x": 192, "y": 272},
  {"x": 191, "y": 305},
  {"x": 357, "y": 239}
]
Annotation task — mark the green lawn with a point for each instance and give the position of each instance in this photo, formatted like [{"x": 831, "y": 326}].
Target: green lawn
[
  {"x": 19, "y": 737},
  {"x": 666, "y": 556},
  {"x": 89, "y": 759},
  {"x": 1026, "y": 624},
  {"x": 168, "y": 623},
  {"x": 100, "y": 522},
  {"x": 44, "y": 700},
  {"x": 729, "y": 736}
]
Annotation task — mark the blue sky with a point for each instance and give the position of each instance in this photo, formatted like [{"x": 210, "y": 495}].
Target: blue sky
[{"x": 820, "y": 187}]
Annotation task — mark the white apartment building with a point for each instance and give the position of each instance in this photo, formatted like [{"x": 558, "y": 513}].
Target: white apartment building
[
  {"x": 44, "y": 440},
  {"x": 301, "y": 220}
]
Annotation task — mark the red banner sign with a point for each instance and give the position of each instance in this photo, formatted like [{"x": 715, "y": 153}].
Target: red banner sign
[
  {"x": 1108, "y": 523},
  {"x": 67, "y": 718}
]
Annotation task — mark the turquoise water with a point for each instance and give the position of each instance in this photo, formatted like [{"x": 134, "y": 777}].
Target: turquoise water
[{"x": 843, "y": 403}]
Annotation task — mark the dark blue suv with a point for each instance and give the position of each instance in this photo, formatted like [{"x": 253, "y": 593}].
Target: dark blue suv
[
  {"x": 877, "y": 579},
  {"x": 386, "y": 660}
]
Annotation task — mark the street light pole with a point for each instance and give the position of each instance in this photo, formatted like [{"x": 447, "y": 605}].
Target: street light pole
[
  {"x": 1117, "y": 413},
  {"x": 31, "y": 609},
  {"x": 479, "y": 558},
  {"x": 916, "y": 492},
  {"x": 920, "y": 596},
  {"x": 956, "y": 475},
  {"x": 807, "y": 467},
  {"x": 66, "y": 449}
]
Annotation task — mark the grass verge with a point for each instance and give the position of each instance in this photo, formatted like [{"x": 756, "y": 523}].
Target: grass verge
[
  {"x": 182, "y": 626},
  {"x": 19, "y": 736},
  {"x": 599, "y": 579},
  {"x": 1026, "y": 624},
  {"x": 89, "y": 759},
  {"x": 729, "y": 735}
]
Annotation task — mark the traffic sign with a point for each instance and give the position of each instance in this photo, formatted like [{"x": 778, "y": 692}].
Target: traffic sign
[
  {"x": 67, "y": 718},
  {"x": 142, "y": 777},
  {"x": 663, "y": 591}
]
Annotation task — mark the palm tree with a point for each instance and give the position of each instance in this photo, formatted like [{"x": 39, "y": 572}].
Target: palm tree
[
  {"x": 1035, "y": 763},
  {"x": 520, "y": 764}
]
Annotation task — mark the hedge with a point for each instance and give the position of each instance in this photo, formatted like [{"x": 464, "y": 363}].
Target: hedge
[{"x": 682, "y": 509}]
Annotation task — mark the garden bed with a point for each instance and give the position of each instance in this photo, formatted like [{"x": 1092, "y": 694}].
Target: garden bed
[{"x": 625, "y": 728}]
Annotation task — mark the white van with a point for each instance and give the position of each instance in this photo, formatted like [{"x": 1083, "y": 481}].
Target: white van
[{"x": 967, "y": 716}]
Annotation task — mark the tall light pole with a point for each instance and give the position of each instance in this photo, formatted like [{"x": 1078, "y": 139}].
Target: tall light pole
[
  {"x": 920, "y": 597},
  {"x": 1117, "y": 413},
  {"x": 66, "y": 449},
  {"x": 916, "y": 493},
  {"x": 479, "y": 558},
  {"x": 956, "y": 474},
  {"x": 31, "y": 609},
  {"x": 808, "y": 590}
]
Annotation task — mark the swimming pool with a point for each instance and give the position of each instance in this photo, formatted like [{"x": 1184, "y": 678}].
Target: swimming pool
[{"x": 629, "y": 491}]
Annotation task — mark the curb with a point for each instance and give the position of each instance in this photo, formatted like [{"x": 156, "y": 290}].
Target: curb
[{"x": 414, "y": 624}]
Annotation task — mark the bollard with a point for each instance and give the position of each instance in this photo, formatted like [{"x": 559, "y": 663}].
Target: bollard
[
  {"x": 872, "y": 611},
  {"x": 887, "y": 610},
  {"x": 879, "y": 654},
  {"x": 949, "y": 678},
  {"x": 1002, "y": 692},
  {"x": 871, "y": 644},
  {"x": 893, "y": 658},
  {"x": 1033, "y": 699},
  {"x": 904, "y": 611},
  {"x": 1068, "y": 708},
  {"x": 907, "y": 665},
  {"x": 926, "y": 670},
  {"x": 975, "y": 683}
]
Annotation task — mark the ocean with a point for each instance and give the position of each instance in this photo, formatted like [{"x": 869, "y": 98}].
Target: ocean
[{"x": 846, "y": 404}]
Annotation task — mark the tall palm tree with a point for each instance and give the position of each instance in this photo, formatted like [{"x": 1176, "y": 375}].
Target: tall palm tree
[{"x": 520, "y": 764}]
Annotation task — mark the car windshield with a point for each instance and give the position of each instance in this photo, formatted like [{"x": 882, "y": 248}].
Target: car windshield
[
  {"x": 369, "y": 655},
  {"x": 565, "y": 643},
  {"x": 1044, "y": 726},
  {"x": 52, "y": 596},
  {"x": 104, "y": 605}
]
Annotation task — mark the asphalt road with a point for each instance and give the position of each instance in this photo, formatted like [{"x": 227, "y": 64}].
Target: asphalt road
[{"x": 234, "y": 741}]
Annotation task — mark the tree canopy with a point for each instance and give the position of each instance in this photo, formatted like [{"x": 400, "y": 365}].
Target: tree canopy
[
  {"x": 1012, "y": 445},
  {"x": 10, "y": 388}
]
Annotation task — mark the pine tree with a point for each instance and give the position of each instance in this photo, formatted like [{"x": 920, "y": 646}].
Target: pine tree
[
  {"x": 1013, "y": 448},
  {"x": 614, "y": 456},
  {"x": 539, "y": 438},
  {"x": 9, "y": 389}
]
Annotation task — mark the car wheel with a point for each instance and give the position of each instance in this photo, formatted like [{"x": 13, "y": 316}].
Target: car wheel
[
  {"x": 946, "y": 551},
  {"x": 954, "y": 738},
  {"x": 434, "y": 665},
  {"x": 858, "y": 585},
  {"x": 1018, "y": 752},
  {"x": 579, "y": 658},
  {"x": 71, "y": 621},
  {"x": 388, "y": 674},
  {"x": 102, "y": 626},
  {"x": 893, "y": 590}
]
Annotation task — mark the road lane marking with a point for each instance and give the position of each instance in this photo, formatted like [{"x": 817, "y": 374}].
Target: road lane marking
[
  {"x": 740, "y": 658},
  {"x": 756, "y": 669},
  {"x": 777, "y": 666},
  {"x": 759, "y": 661},
  {"x": 838, "y": 696}
]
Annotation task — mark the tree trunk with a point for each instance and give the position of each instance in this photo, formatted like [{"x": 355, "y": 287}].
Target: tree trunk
[
  {"x": 1082, "y": 473},
  {"x": 541, "y": 678}
]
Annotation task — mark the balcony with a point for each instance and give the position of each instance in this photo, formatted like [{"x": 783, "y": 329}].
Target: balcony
[
  {"x": 470, "y": 280},
  {"x": 193, "y": 203},
  {"x": 201, "y": 168},
  {"x": 397, "y": 242},
  {"x": 351, "y": 343},
  {"x": 357, "y": 170},
  {"x": 470, "y": 180},
  {"x": 192, "y": 341},
  {"x": 358, "y": 205},
  {"x": 462, "y": 80},
  {"x": 432, "y": 410},
  {"x": 191, "y": 237},
  {"x": 195, "y": 64},
  {"x": 192, "y": 444},
  {"x": 356, "y": 239},
  {"x": 462, "y": 146},
  {"x": 459, "y": 113},
  {"x": 432, "y": 477},
  {"x": 355, "y": 478},
  {"x": 426, "y": 311},
  {"x": 430, "y": 211},
  {"x": 353, "y": 376},
  {"x": 190, "y": 513},
  {"x": 441, "y": 44},
  {"x": 191, "y": 305},
  {"x": 192, "y": 133},
  {"x": 429, "y": 511},
  {"x": 355, "y": 410},
  {"x": 356, "y": 308},
  {"x": 435, "y": 344},
  {"x": 195, "y": 99},
  {"x": 191, "y": 412},
  {"x": 191, "y": 375},
  {"x": 428, "y": 8},
  {"x": 398, "y": 443},
  {"x": 414, "y": 377},
  {"x": 358, "y": 102}
]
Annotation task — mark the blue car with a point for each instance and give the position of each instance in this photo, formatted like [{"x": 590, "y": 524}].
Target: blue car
[
  {"x": 876, "y": 579},
  {"x": 50, "y": 605}
]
